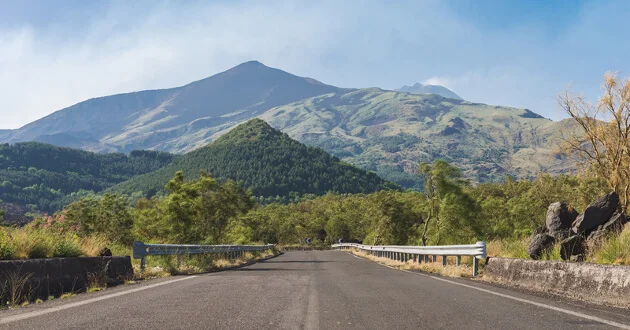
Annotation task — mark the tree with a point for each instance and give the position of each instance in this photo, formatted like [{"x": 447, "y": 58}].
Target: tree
[
  {"x": 440, "y": 180},
  {"x": 604, "y": 145}
]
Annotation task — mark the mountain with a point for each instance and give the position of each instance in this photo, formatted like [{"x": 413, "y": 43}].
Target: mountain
[
  {"x": 266, "y": 161},
  {"x": 419, "y": 88},
  {"x": 392, "y": 132},
  {"x": 177, "y": 119},
  {"x": 47, "y": 176}
]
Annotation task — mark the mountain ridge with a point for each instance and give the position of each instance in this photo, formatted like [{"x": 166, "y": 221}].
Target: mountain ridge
[
  {"x": 419, "y": 88},
  {"x": 157, "y": 119}
]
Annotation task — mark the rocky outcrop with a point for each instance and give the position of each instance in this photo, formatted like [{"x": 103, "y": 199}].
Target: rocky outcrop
[
  {"x": 559, "y": 219},
  {"x": 577, "y": 233},
  {"x": 573, "y": 248},
  {"x": 596, "y": 214},
  {"x": 539, "y": 244}
]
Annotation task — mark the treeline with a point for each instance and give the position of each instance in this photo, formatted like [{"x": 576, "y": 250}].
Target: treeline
[
  {"x": 49, "y": 177},
  {"x": 270, "y": 163},
  {"x": 450, "y": 211}
]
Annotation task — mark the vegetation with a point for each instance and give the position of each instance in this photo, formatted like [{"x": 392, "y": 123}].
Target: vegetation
[
  {"x": 390, "y": 133},
  {"x": 604, "y": 142},
  {"x": 267, "y": 162},
  {"x": 49, "y": 177}
]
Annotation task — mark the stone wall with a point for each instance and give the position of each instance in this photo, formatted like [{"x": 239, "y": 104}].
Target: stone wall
[
  {"x": 600, "y": 284},
  {"x": 55, "y": 276}
]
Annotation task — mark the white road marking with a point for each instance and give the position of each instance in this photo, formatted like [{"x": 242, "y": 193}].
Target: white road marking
[
  {"x": 553, "y": 308},
  {"x": 29, "y": 315}
]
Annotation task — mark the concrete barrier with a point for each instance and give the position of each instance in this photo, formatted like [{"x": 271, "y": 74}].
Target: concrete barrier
[
  {"x": 56, "y": 276},
  {"x": 600, "y": 284}
]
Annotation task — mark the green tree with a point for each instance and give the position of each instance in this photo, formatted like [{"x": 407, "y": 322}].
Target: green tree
[{"x": 441, "y": 179}]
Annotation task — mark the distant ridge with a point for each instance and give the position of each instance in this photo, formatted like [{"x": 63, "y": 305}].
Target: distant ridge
[
  {"x": 176, "y": 119},
  {"x": 419, "y": 88}
]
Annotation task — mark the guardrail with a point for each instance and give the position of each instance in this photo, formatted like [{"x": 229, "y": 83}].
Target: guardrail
[
  {"x": 142, "y": 250},
  {"x": 421, "y": 254}
]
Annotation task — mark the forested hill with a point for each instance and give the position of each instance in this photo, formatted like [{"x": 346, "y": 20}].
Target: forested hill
[
  {"x": 266, "y": 161},
  {"x": 48, "y": 176}
]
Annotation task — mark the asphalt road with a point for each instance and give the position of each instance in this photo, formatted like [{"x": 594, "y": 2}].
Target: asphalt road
[{"x": 312, "y": 290}]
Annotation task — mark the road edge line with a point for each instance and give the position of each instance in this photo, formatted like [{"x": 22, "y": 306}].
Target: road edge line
[
  {"x": 28, "y": 315},
  {"x": 557, "y": 309}
]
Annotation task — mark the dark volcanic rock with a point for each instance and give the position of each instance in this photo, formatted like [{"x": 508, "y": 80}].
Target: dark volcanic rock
[
  {"x": 540, "y": 230},
  {"x": 615, "y": 223},
  {"x": 574, "y": 246},
  {"x": 560, "y": 217},
  {"x": 596, "y": 214},
  {"x": 538, "y": 244},
  {"x": 105, "y": 252}
]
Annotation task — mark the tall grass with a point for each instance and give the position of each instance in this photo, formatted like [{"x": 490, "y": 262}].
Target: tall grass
[
  {"x": 615, "y": 249},
  {"x": 508, "y": 248},
  {"x": 32, "y": 243}
]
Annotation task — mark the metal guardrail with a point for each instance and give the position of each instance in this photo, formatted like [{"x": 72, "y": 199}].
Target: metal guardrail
[
  {"x": 421, "y": 254},
  {"x": 142, "y": 250}
]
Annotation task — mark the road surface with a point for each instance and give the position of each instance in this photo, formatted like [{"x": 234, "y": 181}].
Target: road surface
[{"x": 312, "y": 290}]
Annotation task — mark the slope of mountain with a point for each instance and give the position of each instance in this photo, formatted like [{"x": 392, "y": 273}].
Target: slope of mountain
[
  {"x": 266, "y": 161},
  {"x": 390, "y": 133},
  {"x": 47, "y": 176},
  {"x": 419, "y": 88},
  {"x": 176, "y": 119}
]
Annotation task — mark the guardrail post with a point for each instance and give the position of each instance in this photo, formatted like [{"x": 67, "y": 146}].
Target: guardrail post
[
  {"x": 425, "y": 258},
  {"x": 443, "y": 260},
  {"x": 475, "y": 266},
  {"x": 458, "y": 261},
  {"x": 143, "y": 264},
  {"x": 434, "y": 257}
]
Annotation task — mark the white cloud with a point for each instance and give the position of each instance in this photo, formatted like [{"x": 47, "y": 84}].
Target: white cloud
[{"x": 350, "y": 44}]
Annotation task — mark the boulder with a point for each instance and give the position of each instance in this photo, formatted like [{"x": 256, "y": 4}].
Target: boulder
[
  {"x": 540, "y": 230},
  {"x": 596, "y": 214},
  {"x": 105, "y": 252},
  {"x": 538, "y": 244},
  {"x": 560, "y": 217},
  {"x": 615, "y": 223},
  {"x": 574, "y": 246}
]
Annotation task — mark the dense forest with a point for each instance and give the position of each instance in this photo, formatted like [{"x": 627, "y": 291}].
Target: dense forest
[
  {"x": 266, "y": 161},
  {"x": 49, "y": 177}
]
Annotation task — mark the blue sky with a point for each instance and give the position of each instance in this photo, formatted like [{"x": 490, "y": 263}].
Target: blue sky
[{"x": 515, "y": 53}]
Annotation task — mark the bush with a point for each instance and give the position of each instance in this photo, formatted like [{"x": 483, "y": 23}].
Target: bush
[
  {"x": 67, "y": 248},
  {"x": 7, "y": 250}
]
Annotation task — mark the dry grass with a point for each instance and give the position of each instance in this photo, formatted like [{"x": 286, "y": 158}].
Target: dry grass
[
  {"x": 450, "y": 270},
  {"x": 185, "y": 265},
  {"x": 505, "y": 248},
  {"x": 93, "y": 245},
  {"x": 615, "y": 249},
  {"x": 28, "y": 243}
]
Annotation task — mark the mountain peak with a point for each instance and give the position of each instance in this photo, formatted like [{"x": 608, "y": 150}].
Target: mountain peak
[
  {"x": 419, "y": 88},
  {"x": 252, "y": 129}
]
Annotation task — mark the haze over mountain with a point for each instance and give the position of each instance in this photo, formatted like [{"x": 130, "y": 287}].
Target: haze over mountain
[
  {"x": 387, "y": 132},
  {"x": 419, "y": 88},
  {"x": 175, "y": 119}
]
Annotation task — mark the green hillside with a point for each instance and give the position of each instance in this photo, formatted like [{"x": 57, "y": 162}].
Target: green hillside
[
  {"x": 391, "y": 132},
  {"x": 48, "y": 176},
  {"x": 266, "y": 161}
]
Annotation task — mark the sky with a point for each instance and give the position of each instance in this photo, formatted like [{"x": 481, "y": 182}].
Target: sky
[{"x": 519, "y": 53}]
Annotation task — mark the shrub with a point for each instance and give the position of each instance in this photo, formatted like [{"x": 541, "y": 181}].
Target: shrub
[
  {"x": 66, "y": 248},
  {"x": 7, "y": 250}
]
